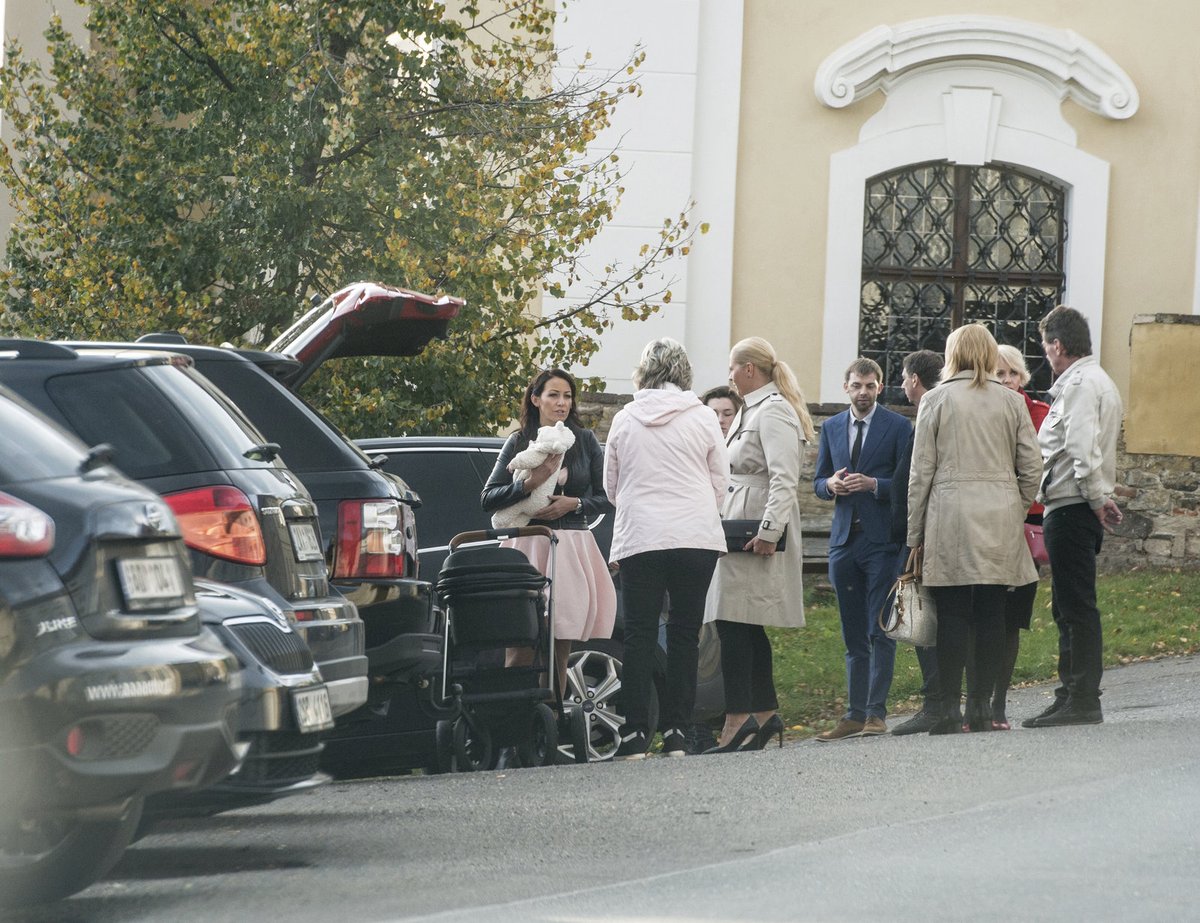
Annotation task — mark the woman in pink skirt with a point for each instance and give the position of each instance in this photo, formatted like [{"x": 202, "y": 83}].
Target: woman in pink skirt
[{"x": 585, "y": 601}]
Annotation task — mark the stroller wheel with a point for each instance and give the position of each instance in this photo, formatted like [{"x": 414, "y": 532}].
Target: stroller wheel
[
  {"x": 472, "y": 746},
  {"x": 540, "y": 743}
]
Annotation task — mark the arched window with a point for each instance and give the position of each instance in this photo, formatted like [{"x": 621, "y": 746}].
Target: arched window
[{"x": 946, "y": 245}]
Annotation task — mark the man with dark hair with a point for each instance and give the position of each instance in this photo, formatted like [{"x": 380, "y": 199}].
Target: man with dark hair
[
  {"x": 858, "y": 453},
  {"x": 1079, "y": 446},
  {"x": 921, "y": 371}
]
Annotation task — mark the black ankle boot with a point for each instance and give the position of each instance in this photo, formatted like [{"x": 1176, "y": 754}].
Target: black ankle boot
[
  {"x": 979, "y": 715},
  {"x": 951, "y": 722}
]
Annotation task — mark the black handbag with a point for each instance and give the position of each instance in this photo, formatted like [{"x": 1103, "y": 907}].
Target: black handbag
[{"x": 739, "y": 531}]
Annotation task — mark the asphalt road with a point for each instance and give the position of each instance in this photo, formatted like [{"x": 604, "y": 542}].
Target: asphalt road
[{"x": 1094, "y": 823}]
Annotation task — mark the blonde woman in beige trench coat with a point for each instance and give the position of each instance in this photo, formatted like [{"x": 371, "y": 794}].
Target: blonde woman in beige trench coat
[
  {"x": 759, "y": 586},
  {"x": 975, "y": 470}
]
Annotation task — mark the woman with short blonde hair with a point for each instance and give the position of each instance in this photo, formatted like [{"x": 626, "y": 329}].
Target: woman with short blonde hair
[{"x": 1010, "y": 358}]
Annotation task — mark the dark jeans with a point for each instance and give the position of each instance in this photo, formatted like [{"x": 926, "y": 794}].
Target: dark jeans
[
  {"x": 931, "y": 682},
  {"x": 862, "y": 573},
  {"x": 1073, "y": 539},
  {"x": 685, "y": 573},
  {"x": 746, "y": 668},
  {"x": 970, "y": 625},
  {"x": 931, "y": 688}
]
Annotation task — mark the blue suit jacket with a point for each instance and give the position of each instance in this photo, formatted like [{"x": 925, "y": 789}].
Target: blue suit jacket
[{"x": 881, "y": 452}]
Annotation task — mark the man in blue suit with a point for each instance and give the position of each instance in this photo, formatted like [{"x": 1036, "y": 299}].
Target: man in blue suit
[{"x": 860, "y": 449}]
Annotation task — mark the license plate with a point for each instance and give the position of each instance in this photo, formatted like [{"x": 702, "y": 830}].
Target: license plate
[
  {"x": 304, "y": 541},
  {"x": 150, "y": 583},
  {"x": 312, "y": 709}
]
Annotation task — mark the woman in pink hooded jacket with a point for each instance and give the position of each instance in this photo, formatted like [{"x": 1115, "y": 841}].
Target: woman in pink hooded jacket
[{"x": 666, "y": 470}]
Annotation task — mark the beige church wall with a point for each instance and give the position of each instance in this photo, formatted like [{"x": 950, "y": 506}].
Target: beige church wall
[
  {"x": 1161, "y": 416},
  {"x": 787, "y": 137}
]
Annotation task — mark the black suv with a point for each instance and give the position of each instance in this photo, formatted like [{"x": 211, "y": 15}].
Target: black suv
[
  {"x": 449, "y": 473},
  {"x": 366, "y": 514},
  {"x": 246, "y": 518},
  {"x": 110, "y": 687}
]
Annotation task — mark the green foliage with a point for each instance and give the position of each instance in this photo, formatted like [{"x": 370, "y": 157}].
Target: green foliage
[
  {"x": 1145, "y": 614},
  {"x": 208, "y": 165}
]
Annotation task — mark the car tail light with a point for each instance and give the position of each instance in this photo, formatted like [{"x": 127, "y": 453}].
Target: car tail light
[
  {"x": 220, "y": 521},
  {"x": 25, "y": 531},
  {"x": 370, "y": 540}
]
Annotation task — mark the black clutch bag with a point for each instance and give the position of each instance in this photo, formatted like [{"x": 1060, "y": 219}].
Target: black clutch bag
[{"x": 739, "y": 531}]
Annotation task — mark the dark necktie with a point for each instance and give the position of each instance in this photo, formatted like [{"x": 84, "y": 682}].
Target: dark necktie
[{"x": 857, "y": 450}]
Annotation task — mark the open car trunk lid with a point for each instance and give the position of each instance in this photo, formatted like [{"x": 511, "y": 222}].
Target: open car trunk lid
[{"x": 363, "y": 319}]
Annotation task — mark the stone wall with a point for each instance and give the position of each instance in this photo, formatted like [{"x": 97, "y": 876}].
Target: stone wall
[{"x": 1159, "y": 494}]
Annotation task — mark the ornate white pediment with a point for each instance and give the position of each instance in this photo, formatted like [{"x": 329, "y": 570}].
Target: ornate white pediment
[{"x": 1069, "y": 62}]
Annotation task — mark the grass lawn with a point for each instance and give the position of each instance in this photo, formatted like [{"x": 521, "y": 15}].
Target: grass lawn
[{"x": 1146, "y": 614}]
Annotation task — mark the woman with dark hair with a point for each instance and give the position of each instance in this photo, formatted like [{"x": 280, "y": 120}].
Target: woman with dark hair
[
  {"x": 975, "y": 470},
  {"x": 585, "y": 602},
  {"x": 726, "y": 403}
]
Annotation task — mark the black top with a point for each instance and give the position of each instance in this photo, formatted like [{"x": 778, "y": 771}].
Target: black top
[
  {"x": 900, "y": 493},
  {"x": 584, "y": 462}
]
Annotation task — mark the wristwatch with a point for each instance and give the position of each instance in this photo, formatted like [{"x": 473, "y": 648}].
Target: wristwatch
[{"x": 579, "y": 504}]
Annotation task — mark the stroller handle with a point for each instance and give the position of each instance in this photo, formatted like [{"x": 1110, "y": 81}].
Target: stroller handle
[{"x": 483, "y": 535}]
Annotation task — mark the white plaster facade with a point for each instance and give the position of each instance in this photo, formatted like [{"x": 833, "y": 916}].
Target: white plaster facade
[{"x": 678, "y": 144}]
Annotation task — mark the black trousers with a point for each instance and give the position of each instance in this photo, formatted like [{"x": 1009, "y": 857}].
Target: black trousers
[
  {"x": 685, "y": 574},
  {"x": 969, "y": 614},
  {"x": 1073, "y": 537},
  {"x": 746, "y": 667}
]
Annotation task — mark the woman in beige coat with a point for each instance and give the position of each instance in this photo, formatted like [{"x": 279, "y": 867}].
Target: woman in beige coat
[
  {"x": 758, "y": 586},
  {"x": 975, "y": 470}
]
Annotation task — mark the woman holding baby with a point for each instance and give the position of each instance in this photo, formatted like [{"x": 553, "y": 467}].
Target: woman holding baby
[{"x": 585, "y": 602}]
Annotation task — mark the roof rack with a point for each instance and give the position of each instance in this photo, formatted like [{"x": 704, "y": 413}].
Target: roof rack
[
  {"x": 167, "y": 336},
  {"x": 36, "y": 349}
]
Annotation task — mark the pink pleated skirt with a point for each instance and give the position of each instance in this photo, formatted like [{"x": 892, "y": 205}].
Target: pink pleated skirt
[{"x": 585, "y": 600}]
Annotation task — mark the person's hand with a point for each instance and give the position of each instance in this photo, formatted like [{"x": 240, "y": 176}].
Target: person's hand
[
  {"x": 759, "y": 546},
  {"x": 1110, "y": 514},
  {"x": 542, "y": 473},
  {"x": 856, "y": 483},
  {"x": 557, "y": 508},
  {"x": 837, "y": 483}
]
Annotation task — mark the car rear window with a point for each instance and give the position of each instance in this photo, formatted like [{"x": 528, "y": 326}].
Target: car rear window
[
  {"x": 161, "y": 419},
  {"x": 33, "y": 449},
  {"x": 307, "y": 441}
]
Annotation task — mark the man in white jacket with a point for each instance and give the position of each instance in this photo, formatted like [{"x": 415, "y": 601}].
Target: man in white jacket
[{"x": 1079, "y": 449}]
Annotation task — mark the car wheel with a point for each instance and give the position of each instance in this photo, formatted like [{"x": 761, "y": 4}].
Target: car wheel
[
  {"x": 540, "y": 743},
  {"x": 44, "y": 859},
  {"x": 594, "y": 688},
  {"x": 472, "y": 746}
]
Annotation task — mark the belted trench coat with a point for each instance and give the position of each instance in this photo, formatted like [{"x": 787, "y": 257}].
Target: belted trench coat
[
  {"x": 766, "y": 448},
  {"x": 975, "y": 470}
]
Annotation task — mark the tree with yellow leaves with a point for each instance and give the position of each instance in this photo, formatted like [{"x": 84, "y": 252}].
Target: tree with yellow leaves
[{"x": 207, "y": 166}]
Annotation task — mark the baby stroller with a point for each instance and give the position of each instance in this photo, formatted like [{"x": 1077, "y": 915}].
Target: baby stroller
[{"x": 493, "y": 598}]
